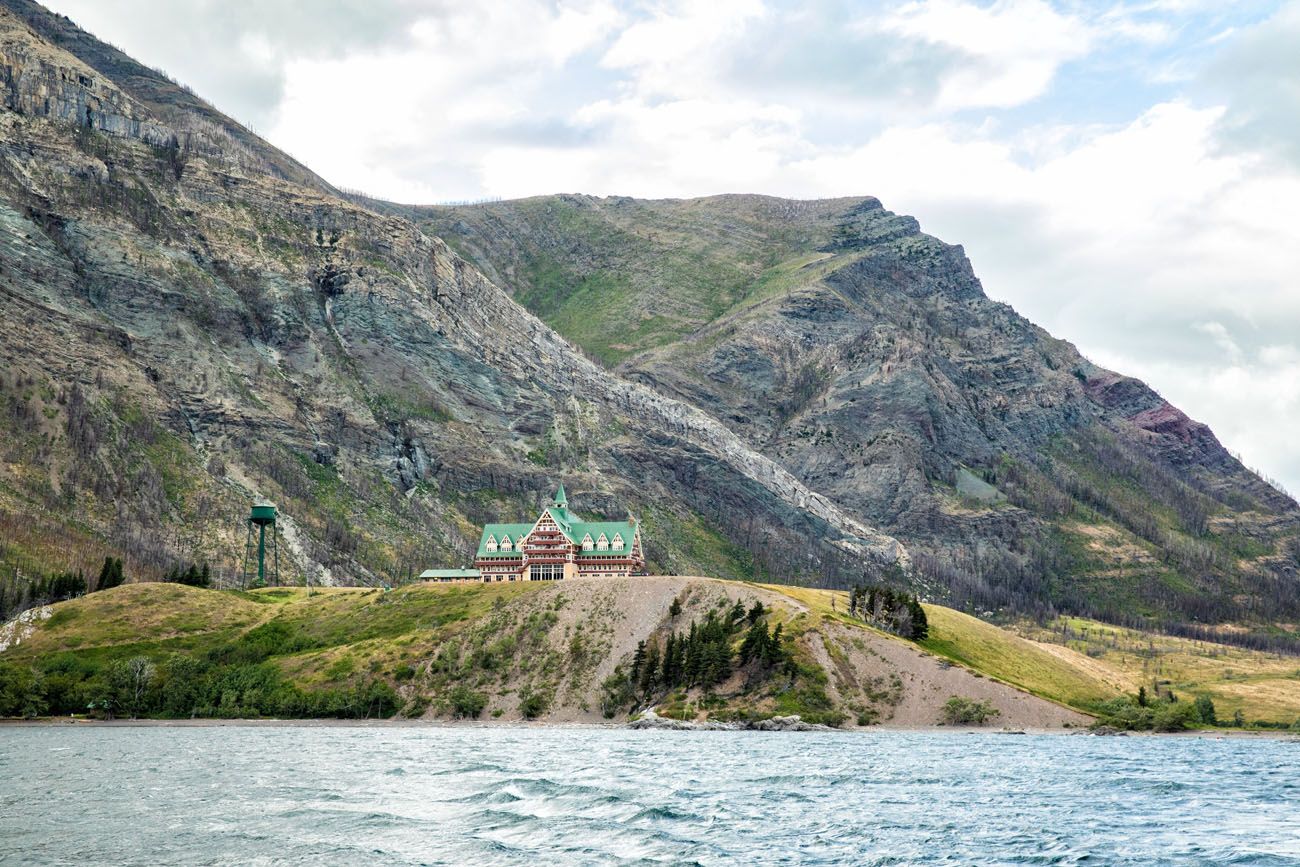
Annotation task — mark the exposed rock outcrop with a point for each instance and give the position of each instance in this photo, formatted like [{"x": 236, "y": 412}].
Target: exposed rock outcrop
[{"x": 301, "y": 347}]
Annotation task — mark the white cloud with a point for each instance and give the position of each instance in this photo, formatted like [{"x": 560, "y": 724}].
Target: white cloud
[
  {"x": 1258, "y": 78},
  {"x": 414, "y": 124},
  {"x": 1016, "y": 46}
]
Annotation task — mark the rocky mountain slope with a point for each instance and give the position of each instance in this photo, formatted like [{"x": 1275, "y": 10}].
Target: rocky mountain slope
[
  {"x": 189, "y": 320},
  {"x": 864, "y": 356},
  {"x": 800, "y": 391}
]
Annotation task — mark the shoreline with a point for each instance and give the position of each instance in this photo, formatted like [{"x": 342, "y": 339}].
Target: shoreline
[{"x": 54, "y": 722}]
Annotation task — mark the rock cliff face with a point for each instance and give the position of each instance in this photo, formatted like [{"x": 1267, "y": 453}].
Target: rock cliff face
[
  {"x": 864, "y": 356},
  {"x": 189, "y": 322}
]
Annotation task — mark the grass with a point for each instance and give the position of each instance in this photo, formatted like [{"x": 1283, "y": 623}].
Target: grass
[
  {"x": 1057, "y": 674},
  {"x": 620, "y": 281},
  {"x": 1262, "y": 686},
  {"x": 333, "y": 637},
  {"x": 136, "y": 618},
  {"x": 987, "y": 649},
  {"x": 1082, "y": 663}
]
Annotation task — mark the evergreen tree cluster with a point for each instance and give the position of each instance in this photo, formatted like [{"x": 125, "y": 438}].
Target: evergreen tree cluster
[
  {"x": 110, "y": 574},
  {"x": 703, "y": 655},
  {"x": 192, "y": 576},
  {"x": 892, "y": 610},
  {"x": 19, "y": 593},
  {"x": 17, "y": 596}
]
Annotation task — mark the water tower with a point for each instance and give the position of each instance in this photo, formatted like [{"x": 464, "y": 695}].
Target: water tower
[{"x": 260, "y": 518}]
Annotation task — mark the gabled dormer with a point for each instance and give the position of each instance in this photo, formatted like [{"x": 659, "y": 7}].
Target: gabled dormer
[
  {"x": 491, "y": 543},
  {"x": 506, "y": 544},
  {"x": 617, "y": 542},
  {"x": 587, "y": 543},
  {"x": 602, "y": 544}
]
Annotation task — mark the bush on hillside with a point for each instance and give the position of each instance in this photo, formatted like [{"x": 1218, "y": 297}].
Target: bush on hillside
[
  {"x": 1175, "y": 717},
  {"x": 533, "y": 704},
  {"x": 22, "y": 691},
  {"x": 192, "y": 575},
  {"x": 1125, "y": 714},
  {"x": 466, "y": 703},
  {"x": 1205, "y": 708},
  {"x": 960, "y": 711}
]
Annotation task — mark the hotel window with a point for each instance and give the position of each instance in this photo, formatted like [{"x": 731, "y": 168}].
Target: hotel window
[
  {"x": 491, "y": 543},
  {"x": 618, "y": 542},
  {"x": 602, "y": 544},
  {"x": 587, "y": 544},
  {"x": 505, "y": 543}
]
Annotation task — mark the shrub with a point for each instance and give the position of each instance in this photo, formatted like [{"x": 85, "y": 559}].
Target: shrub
[
  {"x": 1125, "y": 715},
  {"x": 616, "y": 693},
  {"x": 1205, "y": 709},
  {"x": 1175, "y": 717},
  {"x": 466, "y": 703},
  {"x": 533, "y": 704},
  {"x": 22, "y": 691},
  {"x": 967, "y": 711}
]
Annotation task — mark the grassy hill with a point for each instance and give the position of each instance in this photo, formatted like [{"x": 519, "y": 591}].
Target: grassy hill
[
  {"x": 562, "y": 652},
  {"x": 1260, "y": 685}
]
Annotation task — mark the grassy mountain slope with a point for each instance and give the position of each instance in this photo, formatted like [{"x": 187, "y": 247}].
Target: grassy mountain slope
[
  {"x": 1259, "y": 685},
  {"x": 865, "y": 357},
  {"x": 621, "y": 276}
]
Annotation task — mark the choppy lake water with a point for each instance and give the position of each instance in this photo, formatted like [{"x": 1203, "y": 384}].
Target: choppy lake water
[{"x": 333, "y": 795}]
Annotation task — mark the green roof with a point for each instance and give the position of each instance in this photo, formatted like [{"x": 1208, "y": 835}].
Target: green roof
[
  {"x": 496, "y": 531},
  {"x": 573, "y": 529}
]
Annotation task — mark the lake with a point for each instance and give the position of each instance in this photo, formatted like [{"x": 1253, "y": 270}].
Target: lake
[{"x": 515, "y": 795}]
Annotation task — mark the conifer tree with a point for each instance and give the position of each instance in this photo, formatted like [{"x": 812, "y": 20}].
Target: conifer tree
[
  {"x": 755, "y": 644},
  {"x": 666, "y": 668},
  {"x": 920, "y": 626},
  {"x": 638, "y": 661},
  {"x": 774, "y": 652},
  {"x": 650, "y": 670},
  {"x": 718, "y": 663},
  {"x": 694, "y": 658},
  {"x": 110, "y": 574}
]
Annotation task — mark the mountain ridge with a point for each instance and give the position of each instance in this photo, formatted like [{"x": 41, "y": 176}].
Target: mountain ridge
[
  {"x": 337, "y": 360},
  {"x": 802, "y": 390},
  {"x": 867, "y": 359}
]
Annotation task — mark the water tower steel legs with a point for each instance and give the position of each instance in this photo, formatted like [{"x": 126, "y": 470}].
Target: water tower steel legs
[{"x": 262, "y": 516}]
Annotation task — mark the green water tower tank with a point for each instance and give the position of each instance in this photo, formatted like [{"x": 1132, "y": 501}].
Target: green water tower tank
[
  {"x": 263, "y": 513},
  {"x": 261, "y": 517}
]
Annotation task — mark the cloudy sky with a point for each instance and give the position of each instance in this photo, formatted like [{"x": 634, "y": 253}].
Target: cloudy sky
[{"x": 1126, "y": 174}]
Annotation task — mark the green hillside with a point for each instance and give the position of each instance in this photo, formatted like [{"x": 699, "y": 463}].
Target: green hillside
[
  {"x": 621, "y": 276},
  {"x": 561, "y": 651}
]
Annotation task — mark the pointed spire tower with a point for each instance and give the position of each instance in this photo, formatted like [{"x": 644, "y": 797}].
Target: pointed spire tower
[{"x": 561, "y": 500}]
